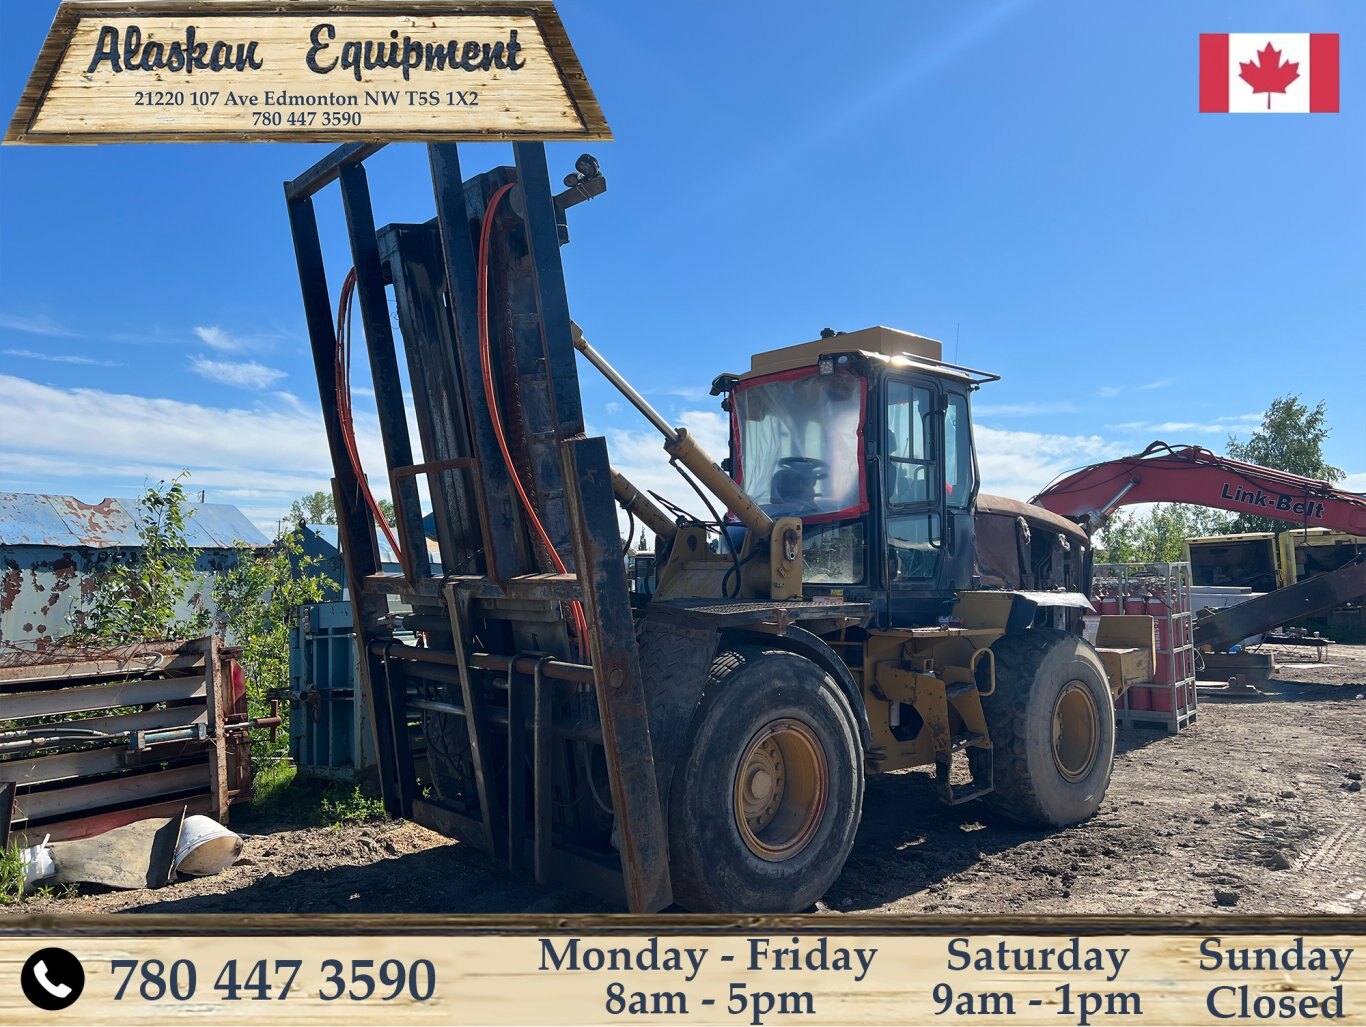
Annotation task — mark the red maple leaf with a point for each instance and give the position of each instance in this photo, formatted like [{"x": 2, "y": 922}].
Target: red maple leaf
[{"x": 1268, "y": 75}]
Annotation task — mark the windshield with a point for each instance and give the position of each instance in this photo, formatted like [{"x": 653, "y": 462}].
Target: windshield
[{"x": 800, "y": 438}]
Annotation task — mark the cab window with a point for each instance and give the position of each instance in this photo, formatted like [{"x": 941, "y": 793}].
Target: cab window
[
  {"x": 958, "y": 476},
  {"x": 914, "y": 530},
  {"x": 909, "y": 445}
]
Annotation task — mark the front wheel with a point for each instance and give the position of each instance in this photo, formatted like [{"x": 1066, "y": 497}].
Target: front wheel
[
  {"x": 1052, "y": 724},
  {"x": 764, "y": 809}
]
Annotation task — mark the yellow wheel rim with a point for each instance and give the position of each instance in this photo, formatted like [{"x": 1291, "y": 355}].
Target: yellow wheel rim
[
  {"x": 782, "y": 786},
  {"x": 1076, "y": 731}
]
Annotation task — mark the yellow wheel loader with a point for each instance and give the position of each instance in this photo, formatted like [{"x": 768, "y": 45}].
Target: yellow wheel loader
[{"x": 836, "y": 600}]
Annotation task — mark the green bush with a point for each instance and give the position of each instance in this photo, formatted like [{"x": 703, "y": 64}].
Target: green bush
[
  {"x": 353, "y": 808},
  {"x": 139, "y": 599},
  {"x": 11, "y": 875},
  {"x": 258, "y": 599}
]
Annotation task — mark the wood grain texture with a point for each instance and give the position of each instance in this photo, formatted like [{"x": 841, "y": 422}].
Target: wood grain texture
[
  {"x": 499, "y": 980},
  {"x": 13, "y": 923},
  {"x": 67, "y": 102}
]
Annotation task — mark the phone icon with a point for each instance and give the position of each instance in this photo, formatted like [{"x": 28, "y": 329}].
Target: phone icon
[
  {"x": 55, "y": 990},
  {"x": 52, "y": 978}
]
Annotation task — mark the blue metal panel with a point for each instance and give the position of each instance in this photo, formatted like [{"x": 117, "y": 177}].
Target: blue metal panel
[{"x": 329, "y": 726}]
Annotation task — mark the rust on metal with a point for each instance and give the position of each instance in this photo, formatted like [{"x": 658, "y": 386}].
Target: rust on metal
[
  {"x": 95, "y": 737},
  {"x": 55, "y": 549}
]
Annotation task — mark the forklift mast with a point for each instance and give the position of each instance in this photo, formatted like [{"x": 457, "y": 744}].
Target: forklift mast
[{"x": 474, "y": 646}]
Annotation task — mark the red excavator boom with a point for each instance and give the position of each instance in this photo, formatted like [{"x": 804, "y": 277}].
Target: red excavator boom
[{"x": 1190, "y": 474}]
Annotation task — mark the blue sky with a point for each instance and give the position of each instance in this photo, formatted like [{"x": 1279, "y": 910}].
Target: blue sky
[{"x": 1027, "y": 180}]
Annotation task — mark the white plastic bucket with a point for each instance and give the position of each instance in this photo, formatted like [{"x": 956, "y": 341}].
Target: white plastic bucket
[
  {"x": 206, "y": 847},
  {"x": 38, "y": 864}
]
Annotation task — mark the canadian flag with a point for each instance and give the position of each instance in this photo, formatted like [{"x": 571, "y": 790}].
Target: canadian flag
[{"x": 1277, "y": 72}]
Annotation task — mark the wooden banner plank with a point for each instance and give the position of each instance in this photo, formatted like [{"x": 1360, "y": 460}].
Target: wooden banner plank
[{"x": 246, "y": 70}]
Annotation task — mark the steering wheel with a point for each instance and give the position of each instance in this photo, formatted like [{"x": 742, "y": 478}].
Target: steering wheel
[{"x": 820, "y": 470}]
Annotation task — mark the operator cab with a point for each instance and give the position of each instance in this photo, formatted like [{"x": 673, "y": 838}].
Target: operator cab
[{"x": 866, "y": 436}]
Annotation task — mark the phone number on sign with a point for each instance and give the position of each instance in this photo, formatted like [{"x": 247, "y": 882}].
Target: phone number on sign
[
  {"x": 266, "y": 980},
  {"x": 327, "y": 119}
]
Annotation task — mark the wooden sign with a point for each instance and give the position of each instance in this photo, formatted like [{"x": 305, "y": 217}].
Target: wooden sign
[
  {"x": 307, "y": 70},
  {"x": 303, "y": 970}
]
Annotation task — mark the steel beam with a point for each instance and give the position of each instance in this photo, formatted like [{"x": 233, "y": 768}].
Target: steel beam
[
  {"x": 498, "y": 516},
  {"x": 328, "y": 169},
  {"x": 616, "y": 664},
  {"x": 474, "y": 718},
  {"x": 355, "y": 526},
  {"x": 379, "y": 341},
  {"x": 412, "y": 253},
  {"x": 553, "y": 302}
]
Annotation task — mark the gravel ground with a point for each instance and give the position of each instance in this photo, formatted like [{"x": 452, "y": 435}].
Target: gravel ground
[{"x": 1257, "y": 808}]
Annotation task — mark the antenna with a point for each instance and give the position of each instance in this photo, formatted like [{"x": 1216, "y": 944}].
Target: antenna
[{"x": 956, "y": 329}]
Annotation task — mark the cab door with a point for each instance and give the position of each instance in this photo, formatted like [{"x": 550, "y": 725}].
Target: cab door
[{"x": 913, "y": 484}]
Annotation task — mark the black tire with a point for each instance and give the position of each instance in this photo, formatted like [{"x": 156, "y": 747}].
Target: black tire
[
  {"x": 713, "y": 866},
  {"x": 1034, "y": 784}
]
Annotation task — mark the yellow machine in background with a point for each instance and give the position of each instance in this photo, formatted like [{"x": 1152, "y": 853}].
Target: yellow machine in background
[{"x": 1265, "y": 560}]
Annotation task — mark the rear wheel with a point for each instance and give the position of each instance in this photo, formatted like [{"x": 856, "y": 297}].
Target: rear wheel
[
  {"x": 1052, "y": 724},
  {"x": 764, "y": 808}
]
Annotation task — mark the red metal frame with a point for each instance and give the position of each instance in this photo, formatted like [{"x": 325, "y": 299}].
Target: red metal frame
[
  {"x": 796, "y": 374},
  {"x": 1190, "y": 474}
]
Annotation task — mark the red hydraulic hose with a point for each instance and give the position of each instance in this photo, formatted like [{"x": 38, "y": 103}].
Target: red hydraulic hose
[
  {"x": 348, "y": 428},
  {"x": 486, "y": 364}
]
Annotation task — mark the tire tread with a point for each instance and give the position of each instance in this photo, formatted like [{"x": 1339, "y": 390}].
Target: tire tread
[{"x": 1018, "y": 659}]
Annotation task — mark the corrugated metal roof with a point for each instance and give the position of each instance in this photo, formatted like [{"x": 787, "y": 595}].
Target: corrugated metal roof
[{"x": 33, "y": 519}]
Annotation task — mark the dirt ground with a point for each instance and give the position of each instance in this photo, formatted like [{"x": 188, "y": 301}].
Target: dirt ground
[{"x": 1257, "y": 808}]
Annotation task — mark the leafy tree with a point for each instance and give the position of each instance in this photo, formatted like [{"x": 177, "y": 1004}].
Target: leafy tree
[
  {"x": 318, "y": 508},
  {"x": 1290, "y": 439},
  {"x": 257, "y": 599},
  {"x": 314, "y": 508},
  {"x": 1119, "y": 540},
  {"x": 1157, "y": 537},
  {"x": 142, "y": 598}
]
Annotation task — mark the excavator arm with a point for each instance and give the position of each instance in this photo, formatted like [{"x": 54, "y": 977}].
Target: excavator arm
[{"x": 1190, "y": 474}]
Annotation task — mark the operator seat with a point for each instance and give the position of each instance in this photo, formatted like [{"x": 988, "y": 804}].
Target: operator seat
[
  {"x": 907, "y": 487},
  {"x": 794, "y": 484}
]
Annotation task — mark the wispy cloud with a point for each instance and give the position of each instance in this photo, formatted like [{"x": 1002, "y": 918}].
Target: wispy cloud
[
  {"x": 225, "y": 340},
  {"x": 1023, "y": 409},
  {"x": 38, "y": 325},
  {"x": 292, "y": 401},
  {"x": 60, "y": 358},
  {"x": 692, "y": 393},
  {"x": 94, "y": 443},
  {"x": 242, "y": 375},
  {"x": 220, "y": 339},
  {"x": 1219, "y": 426},
  {"x": 1111, "y": 391},
  {"x": 1018, "y": 464}
]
